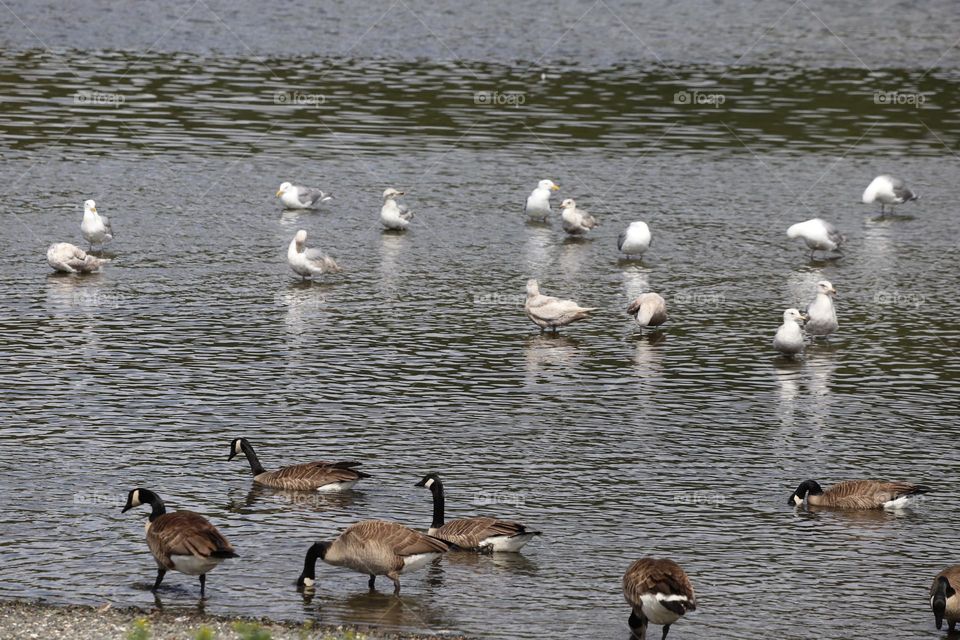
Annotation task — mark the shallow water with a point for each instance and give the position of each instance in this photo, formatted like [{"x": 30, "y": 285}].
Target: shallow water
[{"x": 418, "y": 357}]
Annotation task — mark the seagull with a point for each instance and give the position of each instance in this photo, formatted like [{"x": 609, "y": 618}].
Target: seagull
[
  {"x": 538, "y": 202},
  {"x": 819, "y": 235},
  {"x": 650, "y": 310},
  {"x": 822, "y": 317},
  {"x": 297, "y": 197},
  {"x": 635, "y": 240},
  {"x": 95, "y": 227},
  {"x": 308, "y": 262},
  {"x": 789, "y": 338},
  {"x": 576, "y": 221},
  {"x": 394, "y": 215},
  {"x": 886, "y": 190},
  {"x": 69, "y": 258},
  {"x": 552, "y": 313}
]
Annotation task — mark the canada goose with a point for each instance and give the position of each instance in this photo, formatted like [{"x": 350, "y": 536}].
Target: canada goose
[
  {"x": 307, "y": 262},
  {"x": 818, "y": 234},
  {"x": 576, "y": 221},
  {"x": 548, "y": 312},
  {"x": 821, "y": 314},
  {"x": 858, "y": 494},
  {"x": 297, "y": 197},
  {"x": 943, "y": 596},
  {"x": 474, "y": 534},
  {"x": 659, "y": 591},
  {"x": 634, "y": 240},
  {"x": 95, "y": 228},
  {"x": 649, "y": 309},
  {"x": 375, "y": 548},
  {"x": 311, "y": 476},
  {"x": 789, "y": 337},
  {"x": 68, "y": 258},
  {"x": 183, "y": 540},
  {"x": 886, "y": 190},
  {"x": 538, "y": 202},
  {"x": 393, "y": 214}
]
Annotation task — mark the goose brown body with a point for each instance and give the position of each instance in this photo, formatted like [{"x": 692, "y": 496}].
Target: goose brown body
[
  {"x": 658, "y": 591},
  {"x": 857, "y": 494},
  {"x": 944, "y": 599},
  {"x": 310, "y": 476}
]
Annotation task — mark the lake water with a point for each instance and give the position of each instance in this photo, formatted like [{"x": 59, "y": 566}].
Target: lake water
[{"x": 181, "y": 119}]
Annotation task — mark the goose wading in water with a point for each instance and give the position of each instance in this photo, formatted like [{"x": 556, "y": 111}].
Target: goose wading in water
[
  {"x": 310, "y": 476},
  {"x": 858, "y": 494},
  {"x": 658, "y": 591}
]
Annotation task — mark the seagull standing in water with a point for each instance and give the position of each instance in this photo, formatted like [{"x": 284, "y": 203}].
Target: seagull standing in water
[
  {"x": 552, "y": 313},
  {"x": 68, "y": 258},
  {"x": 634, "y": 240},
  {"x": 393, "y": 214},
  {"x": 297, "y": 197},
  {"x": 789, "y": 338},
  {"x": 650, "y": 310},
  {"x": 888, "y": 190},
  {"x": 308, "y": 262},
  {"x": 538, "y": 202},
  {"x": 95, "y": 228},
  {"x": 576, "y": 221},
  {"x": 822, "y": 317},
  {"x": 818, "y": 234}
]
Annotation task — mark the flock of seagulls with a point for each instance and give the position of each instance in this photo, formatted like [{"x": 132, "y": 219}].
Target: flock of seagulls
[{"x": 658, "y": 591}]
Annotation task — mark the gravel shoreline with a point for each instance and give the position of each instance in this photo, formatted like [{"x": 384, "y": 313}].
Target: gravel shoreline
[{"x": 27, "y": 620}]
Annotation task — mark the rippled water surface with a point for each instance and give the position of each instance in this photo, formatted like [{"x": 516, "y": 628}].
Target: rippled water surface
[{"x": 182, "y": 119}]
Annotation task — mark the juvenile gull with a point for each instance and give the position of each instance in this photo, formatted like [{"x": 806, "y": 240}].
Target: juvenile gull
[
  {"x": 308, "y": 262},
  {"x": 635, "y": 239},
  {"x": 789, "y": 338},
  {"x": 538, "y": 202},
  {"x": 886, "y": 190},
  {"x": 394, "y": 215},
  {"x": 297, "y": 197},
  {"x": 95, "y": 228},
  {"x": 650, "y": 310},
  {"x": 822, "y": 317},
  {"x": 69, "y": 258},
  {"x": 551, "y": 313},
  {"x": 819, "y": 235},
  {"x": 576, "y": 221}
]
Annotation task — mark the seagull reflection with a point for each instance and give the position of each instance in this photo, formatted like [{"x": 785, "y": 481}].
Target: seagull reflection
[
  {"x": 789, "y": 372},
  {"x": 550, "y": 349},
  {"x": 538, "y": 248},
  {"x": 648, "y": 356}
]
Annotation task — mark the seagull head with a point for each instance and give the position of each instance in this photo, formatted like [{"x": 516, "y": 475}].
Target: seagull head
[
  {"x": 391, "y": 193},
  {"x": 794, "y": 315},
  {"x": 533, "y": 287},
  {"x": 568, "y": 204},
  {"x": 90, "y": 205},
  {"x": 283, "y": 188},
  {"x": 300, "y": 238},
  {"x": 548, "y": 185},
  {"x": 826, "y": 288}
]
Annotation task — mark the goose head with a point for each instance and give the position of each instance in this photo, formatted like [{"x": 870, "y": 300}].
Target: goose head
[
  {"x": 431, "y": 481},
  {"x": 140, "y": 496},
  {"x": 237, "y": 447},
  {"x": 308, "y": 577},
  {"x": 806, "y": 487}
]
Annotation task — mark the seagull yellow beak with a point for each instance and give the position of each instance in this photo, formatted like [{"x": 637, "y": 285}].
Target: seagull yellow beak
[
  {"x": 555, "y": 187},
  {"x": 94, "y": 209},
  {"x": 279, "y": 191}
]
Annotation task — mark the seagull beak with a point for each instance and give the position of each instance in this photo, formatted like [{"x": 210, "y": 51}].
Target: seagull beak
[
  {"x": 400, "y": 193},
  {"x": 833, "y": 292},
  {"x": 279, "y": 191},
  {"x": 555, "y": 187},
  {"x": 804, "y": 317}
]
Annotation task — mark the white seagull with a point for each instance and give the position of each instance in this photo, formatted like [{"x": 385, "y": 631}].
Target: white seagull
[
  {"x": 69, "y": 258},
  {"x": 394, "y": 215},
  {"x": 95, "y": 228},
  {"x": 576, "y": 221},
  {"x": 538, "y": 202},
  {"x": 822, "y": 317},
  {"x": 297, "y": 197},
  {"x": 650, "y": 310},
  {"x": 886, "y": 190},
  {"x": 552, "y": 313},
  {"x": 635, "y": 239},
  {"x": 819, "y": 235},
  {"x": 789, "y": 338},
  {"x": 308, "y": 262}
]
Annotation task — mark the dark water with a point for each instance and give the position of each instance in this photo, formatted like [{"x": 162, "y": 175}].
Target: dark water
[{"x": 182, "y": 119}]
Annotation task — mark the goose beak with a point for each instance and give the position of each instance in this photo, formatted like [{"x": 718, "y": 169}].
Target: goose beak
[
  {"x": 422, "y": 483},
  {"x": 126, "y": 508},
  {"x": 233, "y": 454}
]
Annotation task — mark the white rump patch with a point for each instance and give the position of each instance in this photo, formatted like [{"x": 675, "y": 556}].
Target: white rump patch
[
  {"x": 194, "y": 566},
  {"x": 655, "y": 611},
  {"x": 900, "y": 503},
  {"x": 506, "y": 544},
  {"x": 336, "y": 486},
  {"x": 414, "y": 562}
]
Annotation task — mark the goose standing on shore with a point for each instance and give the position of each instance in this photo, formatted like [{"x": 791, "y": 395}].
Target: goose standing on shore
[
  {"x": 394, "y": 215},
  {"x": 307, "y": 262},
  {"x": 552, "y": 313},
  {"x": 95, "y": 228},
  {"x": 68, "y": 258},
  {"x": 888, "y": 190},
  {"x": 658, "y": 591},
  {"x": 183, "y": 540},
  {"x": 311, "y": 476},
  {"x": 538, "y": 202}
]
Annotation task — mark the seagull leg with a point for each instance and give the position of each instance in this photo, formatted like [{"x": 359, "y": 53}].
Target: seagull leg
[
  {"x": 160, "y": 573},
  {"x": 371, "y": 581}
]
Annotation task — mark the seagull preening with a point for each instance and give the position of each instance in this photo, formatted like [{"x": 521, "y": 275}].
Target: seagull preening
[
  {"x": 789, "y": 337},
  {"x": 308, "y": 262},
  {"x": 634, "y": 240},
  {"x": 68, "y": 258},
  {"x": 576, "y": 221},
  {"x": 297, "y": 197},
  {"x": 821, "y": 316},
  {"x": 95, "y": 228},
  {"x": 394, "y": 215},
  {"x": 649, "y": 309},
  {"x": 888, "y": 190},
  {"x": 818, "y": 234},
  {"x": 538, "y": 202},
  {"x": 551, "y": 313}
]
